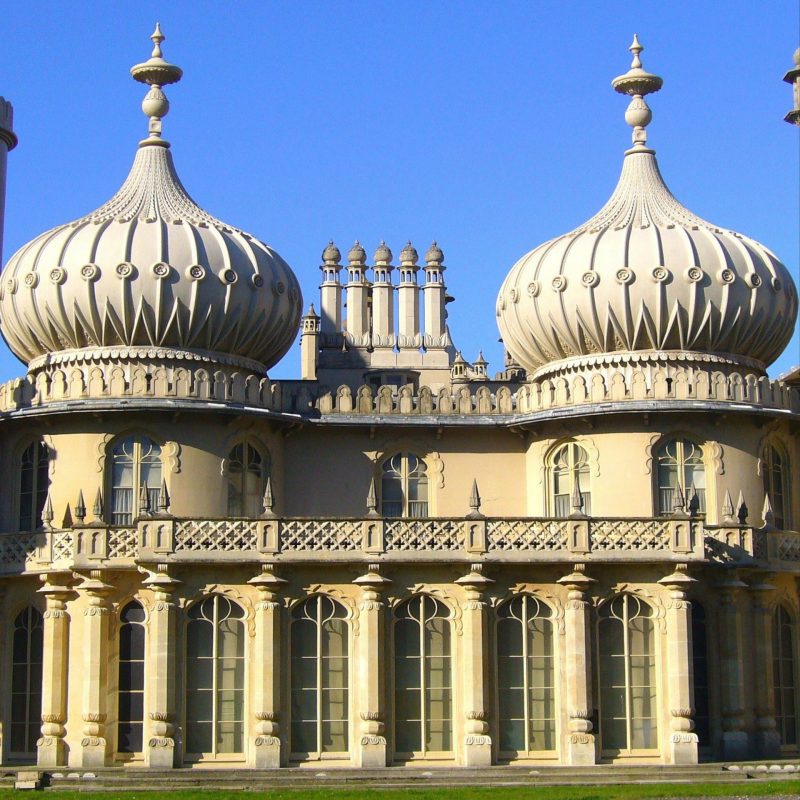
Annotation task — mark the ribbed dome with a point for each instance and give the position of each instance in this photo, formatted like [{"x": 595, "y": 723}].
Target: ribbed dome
[
  {"x": 646, "y": 274},
  {"x": 150, "y": 269}
]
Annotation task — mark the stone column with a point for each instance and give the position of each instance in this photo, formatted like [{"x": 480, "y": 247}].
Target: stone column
[
  {"x": 682, "y": 743},
  {"x": 370, "y": 672},
  {"x": 51, "y": 749},
  {"x": 159, "y": 741},
  {"x": 768, "y": 740},
  {"x": 477, "y": 741},
  {"x": 267, "y": 666},
  {"x": 579, "y": 745},
  {"x": 94, "y": 679},
  {"x": 734, "y": 737}
]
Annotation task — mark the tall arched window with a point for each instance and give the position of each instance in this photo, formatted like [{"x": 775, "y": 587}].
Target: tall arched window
[
  {"x": 135, "y": 465},
  {"x": 320, "y": 683},
  {"x": 525, "y": 677},
  {"x": 569, "y": 470},
  {"x": 34, "y": 481},
  {"x": 423, "y": 689},
  {"x": 215, "y": 685},
  {"x": 404, "y": 486},
  {"x": 130, "y": 705},
  {"x": 702, "y": 715},
  {"x": 26, "y": 683},
  {"x": 680, "y": 464},
  {"x": 783, "y": 675},
  {"x": 627, "y": 675},
  {"x": 247, "y": 472},
  {"x": 775, "y": 469}
]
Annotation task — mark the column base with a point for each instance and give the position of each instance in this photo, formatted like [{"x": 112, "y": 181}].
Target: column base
[
  {"x": 93, "y": 752},
  {"x": 735, "y": 746},
  {"x": 768, "y": 744},
  {"x": 683, "y": 748},
  {"x": 160, "y": 753},
  {"x": 581, "y": 751},
  {"x": 371, "y": 753},
  {"x": 267, "y": 752},
  {"x": 477, "y": 751},
  {"x": 51, "y": 752}
]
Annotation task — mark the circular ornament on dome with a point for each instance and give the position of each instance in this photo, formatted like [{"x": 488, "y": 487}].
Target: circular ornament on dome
[
  {"x": 533, "y": 289},
  {"x": 58, "y": 275},
  {"x": 590, "y": 279},
  {"x": 726, "y": 276},
  {"x": 11, "y": 285},
  {"x": 514, "y": 296},
  {"x": 776, "y": 284},
  {"x": 660, "y": 274},
  {"x": 124, "y": 270},
  {"x": 694, "y": 274},
  {"x": 228, "y": 276},
  {"x": 31, "y": 280},
  {"x": 161, "y": 270},
  {"x": 624, "y": 276},
  {"x": 257, "y": 281},
  {"x": 195, "y": 272},
  {"x": 90, "y": 272},
  {"x": 559, "y": 283},
  {"x": 278, "y": 287},
  {"x": 753, "y": 280},
  {"x": 294, "y": 294}
]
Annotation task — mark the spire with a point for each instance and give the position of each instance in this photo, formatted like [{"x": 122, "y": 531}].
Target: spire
[
  {"x": 267, "y": 501},
  {"x": 156, "y": 72},
  {"x": 97, "y": 508},
  {"x": 637, "y": 83},
  {"x": 372, "y": 502},
  {"x": 474, "y": 499},
  {"x": 766, "y": 513},
  {"x": 727, "y": 508},
  {"x": 741, "y": 509},
  {"x": 80, "y": 507}
]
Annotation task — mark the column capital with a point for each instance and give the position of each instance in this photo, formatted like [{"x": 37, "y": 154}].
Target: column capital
[
  {"x": 475, "y": 583},
  {"x": 269, "y": 586},
  {"x": 372, "y": 584}
]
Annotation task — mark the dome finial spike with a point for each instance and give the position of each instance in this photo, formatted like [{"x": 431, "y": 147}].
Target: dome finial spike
[
  {"x": 636, "y": 48},
  {"x": 157, "y": 37}
]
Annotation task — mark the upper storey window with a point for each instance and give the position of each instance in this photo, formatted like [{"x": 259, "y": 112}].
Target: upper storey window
[
  {"x": 404, "y": 486},
  {"x": 569, "y": 471},
  {"x": 135, "y": 477},
  {"x": 247, "y": 476},
  {"x": 680, "y": 466},
  {"x": 33, "y": 485},
  {"x": 776, "y": 474}
]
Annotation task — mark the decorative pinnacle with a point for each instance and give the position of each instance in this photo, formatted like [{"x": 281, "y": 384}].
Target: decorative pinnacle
[
  {"x": 156, "y": 72},
  {"x": 793, "y": 77},
  {"x": 637, "y": 83}
]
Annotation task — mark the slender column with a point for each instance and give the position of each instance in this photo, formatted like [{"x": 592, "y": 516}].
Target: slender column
[
  {"x": 358, "y": 288},
  {"x": 331, "y": 298},
  {"x": 94, "y": 680},
  {"x": 682, "y": 745},
  {"x": 734, "y": 737},
  {"x": 309, "y": 345},
  {"x": 477, "y": 741},
  {"x": 51, "y": 750},
  {"x": 434, "y": 292},
  {"x": 579, "y": 741},
  {"x": 267, "y": 665},
  {"x": 161, "y": 667},
  {"x": 409, "y": 334},
  {"x": 768, "y": 740},
  {"x": 370, "y": 750},
  {"x": 383, "y": 337}
]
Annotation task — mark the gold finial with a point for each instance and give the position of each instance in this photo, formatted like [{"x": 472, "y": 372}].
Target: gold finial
[
  {"x": 637, "y": 83},
  {"x": 156, "y": 72}
]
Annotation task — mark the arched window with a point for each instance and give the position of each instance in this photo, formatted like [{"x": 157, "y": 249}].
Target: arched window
[
  {"x": 247, "y": 476},
  {"x": 423, "y": 689},
  {"x": 702, "y": 715},
  {"x": 34, "y": 481},
  {"x": 404, "y": 486},
  {"x": 130, "y": 706},
  {"x": 320, "y": 683},
  {"x": 775, "y": 469},
  {"x": 135, "y": 467},
  {"x": 783, "y": 672},
  {"x": 569, "y": 470},
  {"x": 215, "y": 685},
  {"x": 627, "y": 676},
  {"x": 26, "y": 683},
  {"x": 680, "y": 465},
  {"x": 525, "y": 677}
]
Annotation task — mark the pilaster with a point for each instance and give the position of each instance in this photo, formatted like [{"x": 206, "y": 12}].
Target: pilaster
[
  {"x": 683, "y": 743},
  {"x": 767, "y": 738},
  {"x": 51, "y": 748},
  {"x": 477, "y": 741},
  {"x": 579, "y": 740},
  {"x": 266, "y": 664},
  {"x": 161, "y": 665},
  {"x": 370, "y": 749}
]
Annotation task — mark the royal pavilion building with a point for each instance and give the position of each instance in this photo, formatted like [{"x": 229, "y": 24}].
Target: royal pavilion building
[{"x": 592, "y": 556}]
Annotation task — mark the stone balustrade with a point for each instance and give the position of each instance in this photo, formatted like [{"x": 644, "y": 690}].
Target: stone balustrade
[{"x": 500, "y": 540}]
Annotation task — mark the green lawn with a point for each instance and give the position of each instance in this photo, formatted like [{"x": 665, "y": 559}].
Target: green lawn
[{"x": 627, "y": 792}]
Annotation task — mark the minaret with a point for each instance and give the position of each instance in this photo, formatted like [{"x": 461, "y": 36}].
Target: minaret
[
  {"x": 793, "y": 77},
  {"x": 436, "y": 337},
  {"x": 309, "y": 345},
  {"x": 357, "y": 320},
  {"x": 383, "y": 338},
  {"x": 409, "y": 335},
  {"x": 331, "y": 297},
  {"x": 8, "y": 141}
]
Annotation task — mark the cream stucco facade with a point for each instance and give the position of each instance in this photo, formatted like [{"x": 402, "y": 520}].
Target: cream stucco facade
[{"x": 395, "y": 558}]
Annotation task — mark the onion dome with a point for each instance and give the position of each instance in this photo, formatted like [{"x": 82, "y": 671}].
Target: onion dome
[
  {"x": 149, "y": 273},
  {"x": 331, "y": 254},
  {"x": 645, "y": 279},
  {"x": 357, "y": 254},
  {"x": 408, "y": 255},
  {"x": 383, "y": 255},
  {"x": 434, "y": 257}
]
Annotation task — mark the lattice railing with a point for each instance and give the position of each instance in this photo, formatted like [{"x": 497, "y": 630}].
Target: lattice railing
[
  {"x": 623, "y": 535},
  {"x": 16, "y": 550},
  {"x": 122, "y": 543},
  {"x": 526, "y": 534},
  {"x": 226, "y": 535},
  {"x": 62, "y": 545},
  {"x": 303, "y": 535},
  {"x": 423, "y": 534},
  {"x": 786, "y": 546}
]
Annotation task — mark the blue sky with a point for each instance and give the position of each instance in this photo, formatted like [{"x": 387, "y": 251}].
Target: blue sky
[{"x": 490, "y": 127}]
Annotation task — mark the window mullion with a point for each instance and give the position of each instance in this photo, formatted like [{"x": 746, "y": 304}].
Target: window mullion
[
  {"x": 525, "y": 676},
  {"x": 319, "y": 676},
  {"x": 214, "y": 688},
  {"x": 422, "y": 682},
  {"x": 627, "y": 650}
]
